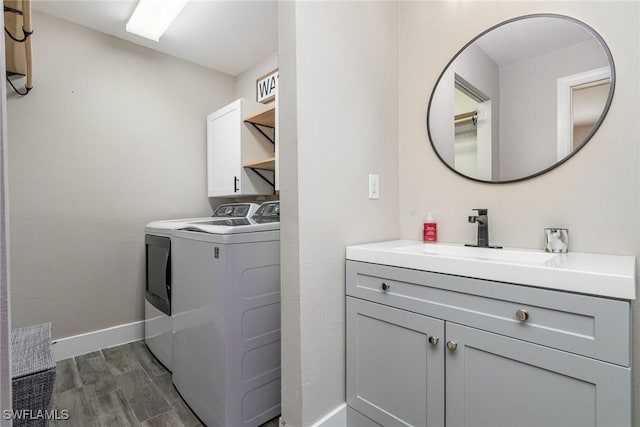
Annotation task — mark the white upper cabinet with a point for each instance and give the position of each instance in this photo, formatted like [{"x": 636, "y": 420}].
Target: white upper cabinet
[{"x": 235, "y": 147}]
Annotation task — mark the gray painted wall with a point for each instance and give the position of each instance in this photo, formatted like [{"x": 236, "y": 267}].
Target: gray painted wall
[
  {"x": 344, "y": 59},
  {"x": 112, "y": 136},
  {"x": 595, "y": 194}
]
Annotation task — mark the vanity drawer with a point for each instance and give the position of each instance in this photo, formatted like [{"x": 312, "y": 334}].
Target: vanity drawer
[{"x": 590, "y": 326}]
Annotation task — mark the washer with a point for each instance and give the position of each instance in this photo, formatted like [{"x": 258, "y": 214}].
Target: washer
[
  {"x": 157, "y": 305},
  {"x": 226, "y": 318}
]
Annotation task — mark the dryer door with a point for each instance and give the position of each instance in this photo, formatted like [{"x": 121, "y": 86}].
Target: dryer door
[{"x": 158, "y": 261}]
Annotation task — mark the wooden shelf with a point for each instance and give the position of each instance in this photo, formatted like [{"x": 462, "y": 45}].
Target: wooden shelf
[
  {"x": 264, "y": 118},
  {"x": 266, "y": 164}
]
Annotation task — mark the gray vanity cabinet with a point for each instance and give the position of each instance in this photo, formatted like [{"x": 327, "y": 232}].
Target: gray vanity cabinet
[
  {"x": 505, "y": 355},
  {"x": 496, "y": 381},
  {"x": 394, "y": 375}
]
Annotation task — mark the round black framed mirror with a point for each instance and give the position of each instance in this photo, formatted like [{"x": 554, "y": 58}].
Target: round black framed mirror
[{"x": 521, "y": 98}]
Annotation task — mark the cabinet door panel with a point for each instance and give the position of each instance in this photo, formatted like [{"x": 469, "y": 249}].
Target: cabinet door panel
[
  {"x": 224, "y": 151},
  {"x": 394, "y": 375},
  {"x": 496, "y": 381}
]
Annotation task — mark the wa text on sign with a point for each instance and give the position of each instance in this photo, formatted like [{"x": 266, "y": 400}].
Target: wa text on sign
[{"x": 267, "y": 87}]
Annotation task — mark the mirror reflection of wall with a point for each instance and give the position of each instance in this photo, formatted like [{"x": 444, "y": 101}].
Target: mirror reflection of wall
[
  {"x": 532, "y": 125},
  {"x": 518, "y": 66}
]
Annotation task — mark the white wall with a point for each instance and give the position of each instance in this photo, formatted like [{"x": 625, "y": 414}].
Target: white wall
[
  {"x": 344, "y": 61},
  {"x": 291, "y": 361},
  {"x": 246, "y": 81},
  {"x": 111, "y": 137},
  {"x": 529, "y": 106},
  {"x": 595, "y": 194}
]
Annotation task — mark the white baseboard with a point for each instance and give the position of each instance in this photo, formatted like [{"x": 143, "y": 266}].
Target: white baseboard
[
  {"x": 96, "y": 340},
  {"x": 335, "y": 418}
]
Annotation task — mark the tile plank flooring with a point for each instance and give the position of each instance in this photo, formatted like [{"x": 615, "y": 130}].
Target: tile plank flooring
[{"x": 120, "y": 386}]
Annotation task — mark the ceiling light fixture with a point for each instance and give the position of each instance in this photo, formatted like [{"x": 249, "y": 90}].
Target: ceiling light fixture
[{"x": 152, "y": 17}]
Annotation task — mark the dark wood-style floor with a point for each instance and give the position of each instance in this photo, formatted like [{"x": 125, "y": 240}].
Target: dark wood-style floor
[{"x": 120, "y": 386}]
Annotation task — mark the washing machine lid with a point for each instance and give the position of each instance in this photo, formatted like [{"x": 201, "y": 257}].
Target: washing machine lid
[
  {"x": 166, "y": 226},
  {"x": 224, "y": 234},
  {"x": 231, "y": 226},
  {"x": 228, "y": 210}
]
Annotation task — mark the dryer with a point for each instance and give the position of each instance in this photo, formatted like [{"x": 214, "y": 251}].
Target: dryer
[
  {"x": 158, "y": 276},
  {"x": 226, "y": 318}
]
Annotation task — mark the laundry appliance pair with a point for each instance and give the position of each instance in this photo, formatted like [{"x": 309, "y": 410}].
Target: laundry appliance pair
[{"x": 212, "y": 310}]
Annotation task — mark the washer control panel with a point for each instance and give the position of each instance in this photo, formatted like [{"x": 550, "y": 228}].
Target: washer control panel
[
  {"x": 235, "y": 210},
  {"x": 267, "y": 212}
]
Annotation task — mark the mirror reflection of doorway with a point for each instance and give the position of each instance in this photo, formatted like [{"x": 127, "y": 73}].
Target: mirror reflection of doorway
[
  {"x": 587, "y": 101},
  {"x": 466, "y": 134},
  {"x": 582, "y": 98},
  {"x": 472, "y": 123}
]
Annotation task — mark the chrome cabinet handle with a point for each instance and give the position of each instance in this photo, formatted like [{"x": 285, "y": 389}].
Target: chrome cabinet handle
[
  {"x": 385, "y": 286},
  {"x": 522, "y": 315},
  {"x": 434, "y": 340},
  {"x": 452, "y": 346}
]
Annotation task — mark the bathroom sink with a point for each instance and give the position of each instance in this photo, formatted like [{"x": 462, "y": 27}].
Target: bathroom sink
[
  {"x": 522, "y": 256},
  {"x": 592, "y": 274}
]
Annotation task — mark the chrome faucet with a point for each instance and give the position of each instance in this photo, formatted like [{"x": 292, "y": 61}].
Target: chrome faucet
[{"x": 482, "y": 219}]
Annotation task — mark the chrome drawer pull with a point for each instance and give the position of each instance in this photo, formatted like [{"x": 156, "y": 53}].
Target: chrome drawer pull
[
  {"x": 385, "y": 286},
  {"x": 522, "y": 315},
  {"x": 434, "y": 340},
  {"x": 452, "y": 346}
]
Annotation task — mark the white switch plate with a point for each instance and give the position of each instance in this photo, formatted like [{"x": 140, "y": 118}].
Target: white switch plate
[{"x": 374, "y": 186}]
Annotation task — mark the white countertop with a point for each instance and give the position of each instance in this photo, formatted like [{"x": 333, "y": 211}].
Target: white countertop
[{"x": 593, "y": 274}]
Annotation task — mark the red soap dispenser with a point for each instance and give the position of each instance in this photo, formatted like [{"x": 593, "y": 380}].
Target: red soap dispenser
[{"x": 430, "y": 230}]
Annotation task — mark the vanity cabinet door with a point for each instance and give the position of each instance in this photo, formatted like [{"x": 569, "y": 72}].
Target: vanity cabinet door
[
  {"x": 395, "y": 375},
  {"x": 494, "y": 381}
]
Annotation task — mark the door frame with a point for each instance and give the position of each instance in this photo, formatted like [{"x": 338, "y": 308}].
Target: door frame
[
  {"x": 484, "y": 143},
  {"x": 564, "y": 91}
]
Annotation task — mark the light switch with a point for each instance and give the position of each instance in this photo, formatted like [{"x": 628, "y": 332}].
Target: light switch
[{"x": 374, "y": 186}]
